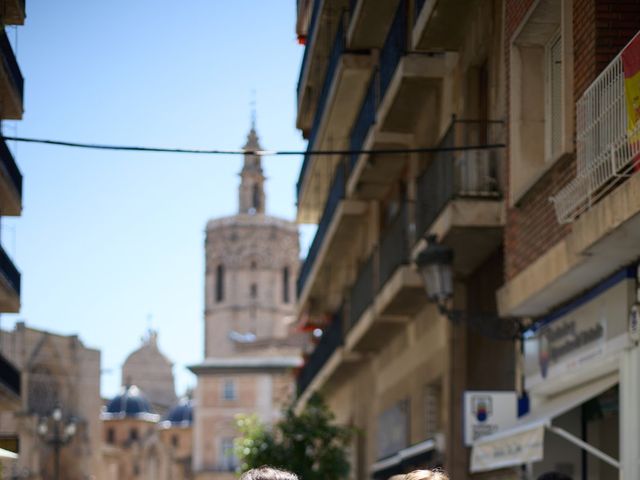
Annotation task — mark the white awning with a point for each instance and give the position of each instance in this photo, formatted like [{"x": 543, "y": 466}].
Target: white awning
[
  {"x": 7, "y": 454},
  {"x": 404, "y": 454},
  {"x": 523, "y": 442}
]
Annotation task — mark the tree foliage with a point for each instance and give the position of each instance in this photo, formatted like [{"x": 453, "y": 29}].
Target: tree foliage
[{"x": 310, "y": 444}]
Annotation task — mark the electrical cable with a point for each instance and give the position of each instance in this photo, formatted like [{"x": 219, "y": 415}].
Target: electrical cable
[{"x": 264, "y": 153}]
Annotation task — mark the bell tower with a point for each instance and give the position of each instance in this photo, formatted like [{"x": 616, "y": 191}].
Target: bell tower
[{"x": 251, "y": 193}]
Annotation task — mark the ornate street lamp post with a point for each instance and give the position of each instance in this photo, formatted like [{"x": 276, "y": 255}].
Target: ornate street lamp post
[
  {"x": 56, "y": 432},
  {"x": 435, "y": 264}
]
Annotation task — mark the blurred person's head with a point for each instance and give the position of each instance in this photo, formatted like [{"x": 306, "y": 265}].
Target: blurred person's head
[
  {"x": 554, "y": 476},
  {"x": 426, "y": 475},
  {"x": 268, "y": 473}
]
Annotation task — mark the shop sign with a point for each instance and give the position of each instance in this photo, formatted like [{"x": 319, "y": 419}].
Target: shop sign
[
  {"x": 486, "y": 412},
  {"x": 515, "y": 449},
  {"x": 580, "y": 338}
]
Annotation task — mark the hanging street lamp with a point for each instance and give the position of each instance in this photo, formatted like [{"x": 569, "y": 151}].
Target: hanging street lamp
[{"x": 435, "y": 264}]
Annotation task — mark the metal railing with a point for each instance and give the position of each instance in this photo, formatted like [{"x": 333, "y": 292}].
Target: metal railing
[
  {"x": 9, "y": 270},
  {"x": 460, "y": 174},
  {"x": 313, "y": 25},
  {"x": 332, "y": 338},
  {"x": 395, "y": 46},
  {"x": 336, "y": 193},
  {"x": 361, "y": 294},
  {"x": 8, "y": 164},
  {"x": 366, "y": 117},
  {"x": 418, "y": 8},
  {"x": 9, "y": 375},
  {"x": 606, "y": 150},
  {"x": 11, "y": 65},
  {"x": 394, "y": 247},
  {"x": 334, "y": 58}
]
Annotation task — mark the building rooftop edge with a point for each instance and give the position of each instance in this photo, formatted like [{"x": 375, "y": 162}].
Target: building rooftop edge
[{"x": 248, "y": 219}]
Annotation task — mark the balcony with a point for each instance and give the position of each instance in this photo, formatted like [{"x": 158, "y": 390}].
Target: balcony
[
  {"x": 14, "y": 12},
  {"x": 11, "y": 82},
  {"x": 607, "y": 152},
  {"x": 10, "y": 183},
  {"x": 323, "y": 273},
  {"x": 459, "y": 194},
  {"x": 442, "y": 26},
  {"x": 388, "y": 291},
  {"x": 405, "y": 86},
  {"x": 9, "y": 385},
  {"x": 342, "y": 91},
  {"x": 370, "y": 21},
  {"x": 9, "y": 285},
  {"x": 331, "y": 340},
  {"x": 325, "y": 17}
]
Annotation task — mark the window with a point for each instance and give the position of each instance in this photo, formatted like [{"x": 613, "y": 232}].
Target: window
[
  {"x": 111, "y": 436},
  {"x": 227, "y": 454},
  {"x": 285, "y": 285},
  {"x": 175, "y": 441},
  {"x": 133, "y": 434},
  {"x": 254, "y": 290},
  {"x": 229, "y": 389},
  {"x": 220, "y": 283},
  {"x": 256, "y": 198},
  {"x": 541, "y": 120}
]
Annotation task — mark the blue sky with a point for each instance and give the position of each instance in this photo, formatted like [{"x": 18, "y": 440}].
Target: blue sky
[{"x": 107, "y": 239}]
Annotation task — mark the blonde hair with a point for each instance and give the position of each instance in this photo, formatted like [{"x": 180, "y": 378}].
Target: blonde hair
[{"x": 426, "y": 475}]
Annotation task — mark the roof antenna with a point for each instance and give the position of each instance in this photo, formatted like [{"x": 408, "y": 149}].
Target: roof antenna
[{"x": 253, "y": 109}]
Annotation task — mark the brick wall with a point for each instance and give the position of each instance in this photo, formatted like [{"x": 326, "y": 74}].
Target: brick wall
[{"x": 601, "y": 28}]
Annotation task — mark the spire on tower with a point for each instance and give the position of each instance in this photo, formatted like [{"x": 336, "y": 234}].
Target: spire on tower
[{"x": 251, "y": 192}]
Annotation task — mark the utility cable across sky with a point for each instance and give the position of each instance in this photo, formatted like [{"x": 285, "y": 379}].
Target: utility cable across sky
[{"x": 264, "y": 153}]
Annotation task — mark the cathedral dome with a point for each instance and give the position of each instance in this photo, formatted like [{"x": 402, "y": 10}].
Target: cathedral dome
[
  {"x": 180, "y": 415},
  {"x": 129, "y": 403}
]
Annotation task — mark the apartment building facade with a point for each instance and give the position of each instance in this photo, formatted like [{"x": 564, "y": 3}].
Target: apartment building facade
[
  {"x": 572, "y": 238},
  {"x": 407, "y": 87},
  {"x": 12, "y": 12}
]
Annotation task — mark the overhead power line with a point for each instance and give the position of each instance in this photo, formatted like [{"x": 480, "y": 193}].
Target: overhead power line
[{"x": 131, "y": 148}]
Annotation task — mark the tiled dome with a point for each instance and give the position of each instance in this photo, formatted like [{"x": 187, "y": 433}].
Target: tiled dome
[
  {"x": 180, "y": 415},
  {"x": 129, "y": 403}
]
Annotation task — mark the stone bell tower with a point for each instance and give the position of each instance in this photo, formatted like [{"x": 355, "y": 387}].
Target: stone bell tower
[{"x": 251, "y": 190}]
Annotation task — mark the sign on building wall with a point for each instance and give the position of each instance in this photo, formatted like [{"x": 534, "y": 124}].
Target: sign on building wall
[
  {"x": 579, "y": 339},
  {"x": 518, "y": 448},
  {"x": 486, "y": 412}
]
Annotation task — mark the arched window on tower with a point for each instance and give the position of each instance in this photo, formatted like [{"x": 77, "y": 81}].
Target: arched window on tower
[
  {"x": 220, "y": 283},
  {"x": 256, "y": 197},
  {"x": 285, "y": 285}
]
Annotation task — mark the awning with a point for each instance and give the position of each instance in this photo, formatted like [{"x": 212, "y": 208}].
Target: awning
[
  {"x": 523, "y": 442},
  {"x": 7, "y": 454},
  {"x": 404, "y": 455}
]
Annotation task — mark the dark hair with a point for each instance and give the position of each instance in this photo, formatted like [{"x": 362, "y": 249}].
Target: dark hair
[
  {"x": 554, "y": 476},
  {"x": 268, "y": 473}
]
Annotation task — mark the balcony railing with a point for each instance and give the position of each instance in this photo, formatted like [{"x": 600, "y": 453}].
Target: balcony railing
[
  {"x": 606, "y": 150},
  {"x": 460, "y": 174},
  {"x": 10, "y": 64},
  {"x": 418, "y": 8},
  {"x": 394, "y": 47},
  {"x": 394, "y": 247},
  {"x": 9, "y": 270},
  {"x": 313, "y": 25},
  {"x": 332, "y": 338},
  {"x": 8, "y": 164},
  {"x": 361, "y": 294},
  {"x": 334, "y": 58},
  {"x": 9, "y": 375},
  {"x": 336, "y": 193},
  {"x": 366, "y": 117}
]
